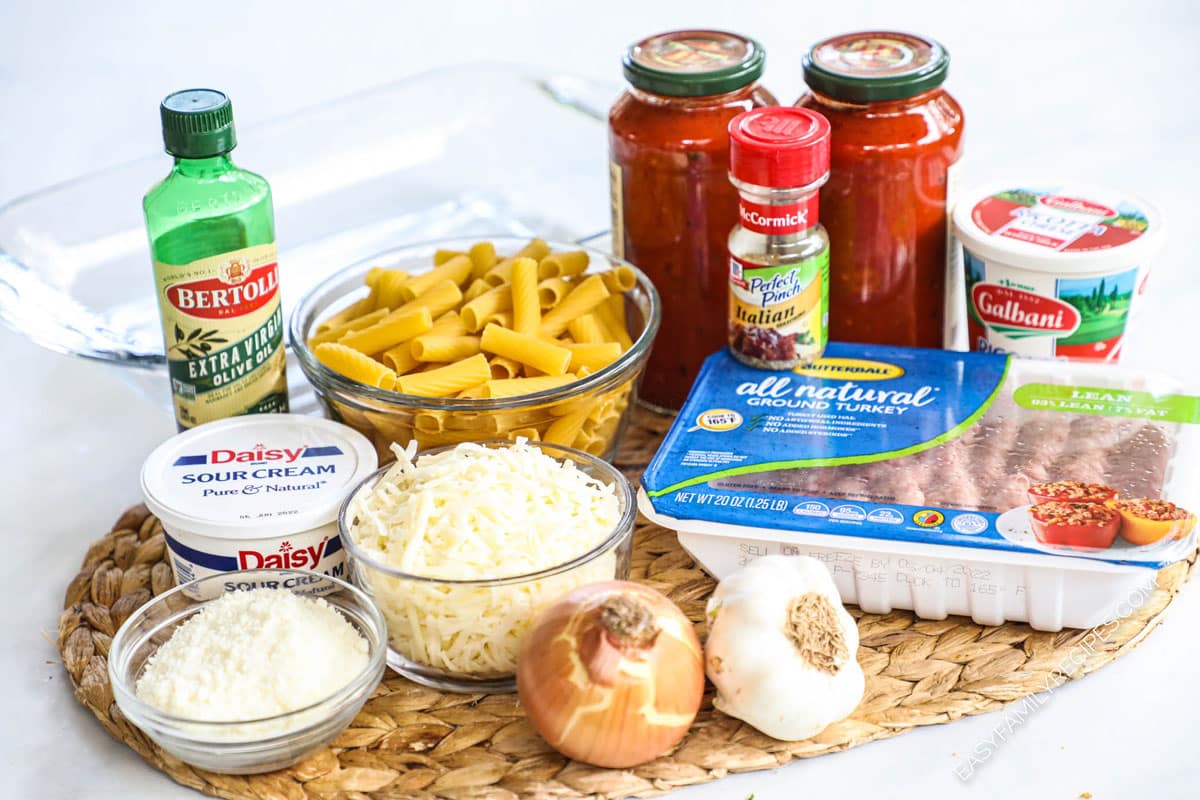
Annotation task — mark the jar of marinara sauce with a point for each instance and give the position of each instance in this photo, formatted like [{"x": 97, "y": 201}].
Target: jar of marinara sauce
[
  {"x": 897, "y": 138},
  {"x": 672, "y": 204}
]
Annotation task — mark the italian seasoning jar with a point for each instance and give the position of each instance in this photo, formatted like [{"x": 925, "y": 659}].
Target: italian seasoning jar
[
  {"x": 672, "y": 205},
  {"x": 778, "y": 252}
]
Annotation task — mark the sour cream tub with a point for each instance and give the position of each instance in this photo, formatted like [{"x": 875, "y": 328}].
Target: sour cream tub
[
  {"x": 1054, "y": 270},
  {"x": 258, "y": 491}
]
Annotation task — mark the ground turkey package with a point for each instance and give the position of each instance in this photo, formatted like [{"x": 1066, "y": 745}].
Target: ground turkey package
[{"x": 928, "y": 447}]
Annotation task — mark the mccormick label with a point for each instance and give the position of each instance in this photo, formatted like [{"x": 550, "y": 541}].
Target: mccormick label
[
  {"x": 223, "y": 331},
  {"x": 778, "y": 219},
  {"x": 779, "y": 313}
]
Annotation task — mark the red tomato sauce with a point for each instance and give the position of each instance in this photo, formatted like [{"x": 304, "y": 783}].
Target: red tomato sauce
[
  {"x": 673, "y": 205},
  {"x": 884, "y": 206}
]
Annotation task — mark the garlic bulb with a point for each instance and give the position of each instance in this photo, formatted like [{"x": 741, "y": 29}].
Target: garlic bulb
[{"x": 781, "y": 648}]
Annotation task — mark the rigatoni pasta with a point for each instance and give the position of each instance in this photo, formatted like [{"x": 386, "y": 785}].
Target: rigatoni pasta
[
  {"x": 485, "y": 305},
  {"x": 563, "y": 265},
  {"x": 483, "y": 258},
  {"x": 531, "y": 351},
  {"x": 590, "y": 293},
  {"x": 483, "y": 326},
  {"x": 444, "y": 348},
  {"x": 587, "y": 330},
  {"x": 446, "y": 381},
  {"x": 443, "y": 296},
  {"x": 357, "y": 323},
  {"x": 551, "y": 292},
  {"x": 505, "y": 367},
  {"x": 387, "y": 288},
  {"x": 388, "y": 332},
  {"x": 527, "y": 311},
  {"x": 457, "y": 269},
  {"x": 593, "y": 356},
  {"x": 400, "y": 358},
  {"x": 515, "y": 387},
  {"x": 354, "y": 365}
]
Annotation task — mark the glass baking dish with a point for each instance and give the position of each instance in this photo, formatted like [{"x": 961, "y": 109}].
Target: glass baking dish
[{"x": 474, "y": 150}]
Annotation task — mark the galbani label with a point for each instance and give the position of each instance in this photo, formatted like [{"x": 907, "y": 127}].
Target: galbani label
[
  {"x": 777, "y": 219},
  {"x": 1045, "y": 314},
  {"x": 1019, "y": 312}
]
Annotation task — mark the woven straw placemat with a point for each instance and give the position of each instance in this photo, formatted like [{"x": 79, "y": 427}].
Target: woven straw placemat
[{"x": 413, "y": 742}]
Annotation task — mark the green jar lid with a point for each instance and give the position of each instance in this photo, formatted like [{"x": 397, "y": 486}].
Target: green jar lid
[
  {"x": 198, "y": 123},
  {"x": 875, "y": 65},
  {"x": 694, "y": 63}
]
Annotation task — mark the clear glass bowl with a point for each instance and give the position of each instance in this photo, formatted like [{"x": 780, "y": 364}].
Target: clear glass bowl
[
  {"x": 406, "y": 600},
  {"x": 245, "y": 746},
  {"x": 385, "y": 416}
]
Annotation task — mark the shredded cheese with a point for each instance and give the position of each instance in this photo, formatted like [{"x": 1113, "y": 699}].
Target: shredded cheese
[{"x": 476, "y": 513}]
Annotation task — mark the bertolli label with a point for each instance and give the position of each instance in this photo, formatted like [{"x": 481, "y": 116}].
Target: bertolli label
[{"x": 223, "y": 330}]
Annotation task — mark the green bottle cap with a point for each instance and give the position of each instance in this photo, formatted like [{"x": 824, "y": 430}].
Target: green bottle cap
[
  {"x": 198, "y": 123},
  {"x": 694, "y": 63},
  {"x": 875, "y": 65}
]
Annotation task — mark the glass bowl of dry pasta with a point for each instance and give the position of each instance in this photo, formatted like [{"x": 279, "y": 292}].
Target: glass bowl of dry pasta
[
  {"x": 464, "y": 340},
  {"x": 462, "y": 546}
]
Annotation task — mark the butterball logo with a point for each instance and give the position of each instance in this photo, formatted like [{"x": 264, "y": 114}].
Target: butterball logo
[
  {"x": 1021, "y": 313},
  {"x": 286, "y": 557},
  {"x": 214, "y": 298},
  {"x": 859, "y": 369}
]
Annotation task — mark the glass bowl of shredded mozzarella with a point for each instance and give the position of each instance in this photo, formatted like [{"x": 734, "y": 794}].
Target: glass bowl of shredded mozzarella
[
  {"x": 462, "y": 546},
  {"x": 248, "y": 671}
]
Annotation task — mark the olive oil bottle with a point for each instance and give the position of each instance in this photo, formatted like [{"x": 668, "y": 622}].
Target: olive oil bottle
[{"x": 212, "y": 236}]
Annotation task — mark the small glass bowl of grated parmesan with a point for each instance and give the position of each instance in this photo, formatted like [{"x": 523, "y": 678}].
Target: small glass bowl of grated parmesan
[
  {"x": 248, "y": 671},
  {"x": 462, "y": 546}
]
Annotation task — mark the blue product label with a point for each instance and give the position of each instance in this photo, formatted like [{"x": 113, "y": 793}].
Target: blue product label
[{"x": 892, "y": 443}]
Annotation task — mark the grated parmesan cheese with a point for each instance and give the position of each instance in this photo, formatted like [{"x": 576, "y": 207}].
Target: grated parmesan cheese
[
  {"x": 476, "y": 513},
  {"x": 251, "y": 655}
]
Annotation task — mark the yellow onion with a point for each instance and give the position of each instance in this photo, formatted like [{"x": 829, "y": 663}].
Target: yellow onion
[{"x": 612, "y": 674}]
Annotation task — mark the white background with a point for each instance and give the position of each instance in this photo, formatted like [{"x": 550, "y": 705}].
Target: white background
[{"x": 1104, "y": 90}]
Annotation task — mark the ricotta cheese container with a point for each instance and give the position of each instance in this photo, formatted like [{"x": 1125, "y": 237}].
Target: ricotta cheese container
[
  {"x": 1054, "y": 270},
  {"x": 256, "y": 491}
]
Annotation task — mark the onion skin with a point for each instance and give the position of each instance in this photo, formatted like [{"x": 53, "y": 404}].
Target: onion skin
[{"x": 611, "y": 699}]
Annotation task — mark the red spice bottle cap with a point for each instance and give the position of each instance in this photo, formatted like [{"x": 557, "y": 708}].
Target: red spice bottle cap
[{"x": 779, "y": 146}]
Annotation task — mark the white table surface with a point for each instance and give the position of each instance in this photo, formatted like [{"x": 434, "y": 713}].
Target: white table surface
[{"x": 1104, "y": 90}]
